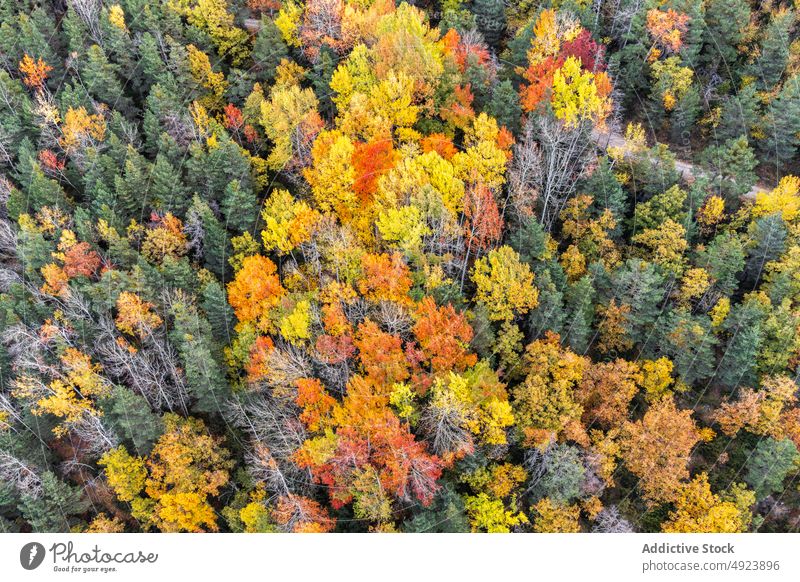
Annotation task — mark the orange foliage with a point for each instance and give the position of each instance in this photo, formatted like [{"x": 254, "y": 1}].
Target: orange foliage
[
  {"x": 34, "y": 73},
  {"x": 606, "y": 392},
  {"x": 315, "y": 401},
  {"x": 259, "y": 352},
  {"x": 381, "y": 355},
  {"x": 300, "y": 514},
  {"x": 444, "y": 336},
  {"x": 80, "y": 259},
  {"x": 540, "y": 77},
  {"x": 255, "y": 290},
  {"x": 483, "y": 225},
  {"x": 656, "y": 449},
  {"x": 439, "y": 143},
  {"x": 667, "y": 28},
  {"x": 234, "y": 119},
  {"x": 134, "y": 316},
  {"x": 385, "y": 278}
]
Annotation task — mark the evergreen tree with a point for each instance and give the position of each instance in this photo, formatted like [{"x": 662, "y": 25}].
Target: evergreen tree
[
  {"x": 54, "y": 510},
  {"x": 768, "y": 466},
  {"x": 743, "y": 329},
  {"x": 239, "y": 207},
  {"x": 129, "y": 416},
  {"x": 732, "y": 165},
  {"x": 490, "y": 16},
  {"x": 504, "y": 106},
  {"x": 774, "y": 53},
  {"x": 268, "y": 50}
]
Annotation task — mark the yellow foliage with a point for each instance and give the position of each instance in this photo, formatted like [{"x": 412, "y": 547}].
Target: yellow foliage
[
  {"x": 665, "y": 245},
  {"x": 785, "y": 198},
  {"x": 698, "y": 510},
  {"x": 556, "y": 518},
  {"x": 287, "y": 222},
  {"x": 504, "y": 284},
  {"x": 576, "y": 96},
  {"x": 295, "y": 327},
  {"x": 81, "y": 129},
  {"x": 288, "y": 108},
  {"x": 403, "y": 228},
  {"x": 134, "y": 316},
  {"x": 116, "y": 16},
  {"x": 490, "y": 515},
  {"x": 656, "y": 377},
  {"x": 125, "y": 473},
  {"x": 712, "y": 212},
  {"x": 288, "y": 22}
]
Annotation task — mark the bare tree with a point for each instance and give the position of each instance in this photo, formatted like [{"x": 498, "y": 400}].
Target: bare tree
[
  {"x": 20, "y": 475},
  {"x": 275, "y": 434},
  {"x": 610, "y": 521}
]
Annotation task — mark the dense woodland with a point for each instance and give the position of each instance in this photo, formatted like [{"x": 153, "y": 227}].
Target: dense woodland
[{"x": 352, "y": 265}]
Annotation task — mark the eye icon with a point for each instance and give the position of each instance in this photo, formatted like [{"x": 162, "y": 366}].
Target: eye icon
[{"x": 31, "y": 555}]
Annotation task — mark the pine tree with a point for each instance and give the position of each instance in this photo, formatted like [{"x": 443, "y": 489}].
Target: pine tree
[
  {"x": 55, "y": 508},
  {"x": 743, "y": 328},
  {"x": 579, "y": 303},
  {"x": 490, "y": 16},
  {"x": 268, "y": 50},
  {"x": 504, "y": 106},
  {"x": 770, "y": 463},
  {"x": 767, "y": 240},
  {"x": 782, "y": 126},
  {"x": 129, "y": 415},
  {"x": 239, "y": 207},
  {"x": 732, "y": 165},
  {"x": 166, "y": 187},
  {"x": 101, "y": 79},
  {"x": 211, "y": 237},
  {"x": 725, "y": 21},
  {"x": 739, "y": 114},
  {"x": 774, "y": 54},
  {"x": 204, "y": 376}
]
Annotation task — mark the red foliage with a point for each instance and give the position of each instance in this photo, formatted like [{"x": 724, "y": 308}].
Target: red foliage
[
  {"x": 264, "y": 6},
  {"x": 460, "y": 111},
  {"x": 234, "y": 119},
  {"x": 483, "y": 226},
  {"x": 50, "y": 161},
  {"x": 250, "y": 133},
  {"x": 370, "y": 436},
  {"x": 315, "y": 401},
  {"x": 300, "y": 514},
  {"x": 587, "y": 50},
  {"x": 335, "y": 350},
  {"x": 371, "y": 161}
]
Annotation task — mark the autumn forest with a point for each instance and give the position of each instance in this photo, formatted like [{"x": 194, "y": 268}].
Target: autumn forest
[{"x": 432, "y": 266}]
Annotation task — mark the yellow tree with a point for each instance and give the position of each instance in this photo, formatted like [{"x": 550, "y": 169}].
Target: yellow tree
[
  {"x": 171, "y": 488},
  {"x": 556, "y": 518},
  {"x": 504, "y": 284},
  {"x": 699, "y": 510},
  {"x": 546, "y": 404}
]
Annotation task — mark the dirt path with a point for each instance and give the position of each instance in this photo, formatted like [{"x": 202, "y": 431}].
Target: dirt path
[{"x": 686, "y": 169}]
